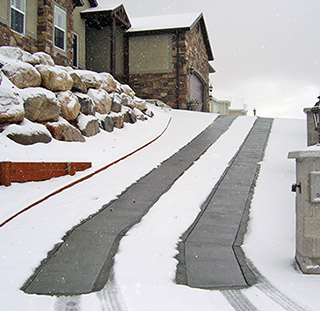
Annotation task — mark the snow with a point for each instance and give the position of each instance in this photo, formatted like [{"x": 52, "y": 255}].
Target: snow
[
  {"x": 26, "y": 127},
  {"x": 145, "y": 281},
  {"x": 174, "y": 21},
  {"x": 102, "y": 6}
]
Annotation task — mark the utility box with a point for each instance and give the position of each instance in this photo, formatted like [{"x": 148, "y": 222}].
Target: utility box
[{"x": 307, "y": 188}]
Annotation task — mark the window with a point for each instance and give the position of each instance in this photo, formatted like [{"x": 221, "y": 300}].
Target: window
[
  {"x": 75, "y": 49},
  {"x": 18, "y": 8},
  {"x": 60, "y": 25}
]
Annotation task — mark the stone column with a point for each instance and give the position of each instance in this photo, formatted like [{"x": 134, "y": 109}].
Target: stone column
[{"x": 307, "y": 209}]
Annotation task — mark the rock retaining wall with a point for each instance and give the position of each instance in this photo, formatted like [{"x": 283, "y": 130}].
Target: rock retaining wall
[{"x": 60, "y": 102}]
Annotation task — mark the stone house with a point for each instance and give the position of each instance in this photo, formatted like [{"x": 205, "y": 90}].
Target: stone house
[
  {"x": 169, "y": 60},
  {"x": 39, "y": 25},
  {"x": 162, "y": 57}
]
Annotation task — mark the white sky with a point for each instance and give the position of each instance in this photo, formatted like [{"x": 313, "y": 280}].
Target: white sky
[{"x": 266, "y": 51}]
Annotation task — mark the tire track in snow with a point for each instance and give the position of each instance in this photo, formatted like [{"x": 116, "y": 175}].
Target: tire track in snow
[
  {"x": 238, "y": 300},
  {"x": 266, "y": 287}
]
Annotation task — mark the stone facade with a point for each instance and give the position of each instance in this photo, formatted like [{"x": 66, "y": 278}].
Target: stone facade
[
  {"x": 43, "y": 40},
  {"x": 190, "y": 52},
  {"x": 45, "y": 30},
  {"x": 12, "y": 38}
]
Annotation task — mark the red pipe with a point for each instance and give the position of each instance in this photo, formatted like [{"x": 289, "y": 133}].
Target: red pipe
[{"x": 85, "y": 177}]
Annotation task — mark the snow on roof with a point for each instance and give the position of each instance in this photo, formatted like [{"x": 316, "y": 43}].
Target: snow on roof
[
  {"x": 160, "y": 22},
  {"x": 102, "y": 6}
]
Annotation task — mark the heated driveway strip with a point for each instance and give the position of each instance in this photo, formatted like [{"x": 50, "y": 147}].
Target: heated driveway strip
[
  {"x": 210, "y": 255},
  {"x": 82, "y": 263}
]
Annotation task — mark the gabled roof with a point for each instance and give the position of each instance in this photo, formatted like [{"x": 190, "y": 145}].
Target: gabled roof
[
  {"x": 170, "y": 23},
  {"x": 103, "y": 13}
]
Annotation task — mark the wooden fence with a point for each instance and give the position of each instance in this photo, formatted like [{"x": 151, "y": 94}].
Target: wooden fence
[{"x": 37, "y": 171}]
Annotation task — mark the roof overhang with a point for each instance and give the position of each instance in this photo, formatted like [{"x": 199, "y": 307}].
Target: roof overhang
[
  {"x": 151, "y": 29},
  {"x": 101, "y": 16}
]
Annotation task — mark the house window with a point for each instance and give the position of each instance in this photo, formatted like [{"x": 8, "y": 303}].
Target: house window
[
  {"x": 60, "y": 26},
  {"x": 75, "y": 49},
  {"x": 18, "y": 9}
]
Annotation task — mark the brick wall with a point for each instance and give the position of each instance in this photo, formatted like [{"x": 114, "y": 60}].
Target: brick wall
[{"x": 163, "y": 86}]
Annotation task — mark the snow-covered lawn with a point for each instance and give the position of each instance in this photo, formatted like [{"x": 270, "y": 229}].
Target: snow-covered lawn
[{"x": 26, "y": 240}]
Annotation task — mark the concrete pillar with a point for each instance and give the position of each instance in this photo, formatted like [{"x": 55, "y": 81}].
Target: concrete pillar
[{"x": 307, "y": 209}]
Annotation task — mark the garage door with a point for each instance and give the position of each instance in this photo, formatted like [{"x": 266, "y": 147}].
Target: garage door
[{"x": 196, "y": 92}]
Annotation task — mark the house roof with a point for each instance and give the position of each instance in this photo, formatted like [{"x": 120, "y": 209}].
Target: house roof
[
  {"x": 170, "y": 23},
  {"x": 103, "y": 13}
]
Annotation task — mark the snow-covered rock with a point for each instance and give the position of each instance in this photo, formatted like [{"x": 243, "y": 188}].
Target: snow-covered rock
[
  {"x": 15, "y": 53},
  {"x": 21, "y": 74},
  {"x": 105, "y": 122},
  {"x": 70, "y": 107},
  {"x": 86, "y": 103},
  {"x": 28, "y": 133},
  {"x": 78, "y": 83},
  {"x": 11, "y": 104},
  {"x": 118, "y": 120},
  {"x": 64, "y": 131},
  {"x": 55, "y": 79},
  {"x": 109, "y": 84},
  {"x": 90, "y": 78},
  {"x": 43, "y": 59},
  {"x": 116, "y": 102},
  {"x": 88, "y": 125},
  {"x": 125, "y": 88},
  {"x": 140, "y": 104},
  {"x": 127, "y": 101},
  {"x": 40, "y": 105},
  {"x": 102, "y": 100}
]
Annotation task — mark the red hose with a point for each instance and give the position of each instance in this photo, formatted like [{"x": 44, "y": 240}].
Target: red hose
[{"x": 85, "y": 177}]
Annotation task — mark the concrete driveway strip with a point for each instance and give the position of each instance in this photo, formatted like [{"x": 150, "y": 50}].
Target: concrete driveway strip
[
  {"x": 83, "y": 262},
  {"x": 210, "y": 255}
]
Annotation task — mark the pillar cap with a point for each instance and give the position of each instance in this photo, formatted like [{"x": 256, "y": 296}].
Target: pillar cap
[{"x": 313, "y": 152}]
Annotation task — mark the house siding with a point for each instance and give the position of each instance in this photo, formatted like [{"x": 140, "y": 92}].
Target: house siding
[
  {"x": 79, "y": 27},
  {"x": 189, "y": 52},
  {"x": 163, "y": 86}
]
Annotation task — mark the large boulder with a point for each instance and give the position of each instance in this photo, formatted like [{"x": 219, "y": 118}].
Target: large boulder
[
  {"x": 64, "y": 131},
  {"x": 118, "y": 120},
  {"x": 43, "y": 59},
  {"x": 88, "y": 125},
  {"x": 28, "y": 133},
  {"x": 125, "y": 88},
  {"x": 70, "y": 107},
  {"x": 90, "y": 78},
  {"x": 105, "y": 122},
  {"x": 54, "y": 78},
  {"x": 78, "y": 83},
  {"x": 140, "y": 104},
  {"x": 127, "y": 101},
  {"x": 16, "y": 53},
  {"x": 129, "y": 116},
  {"x": 108, "y": 83},
  {"x": 22, "y": 74},
  {"x": 11, "y": 104},
  {"x": 86, "y": 103},
  {"x": 102, "y": 100},
  {"x": 40, "y": 105},
  {"x": 116, "y": 102}
]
